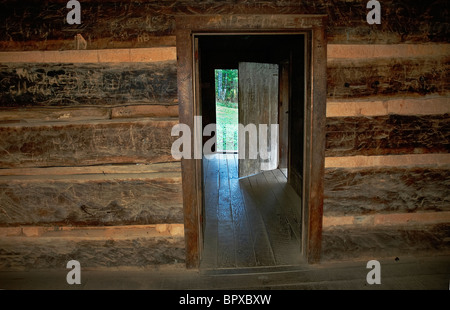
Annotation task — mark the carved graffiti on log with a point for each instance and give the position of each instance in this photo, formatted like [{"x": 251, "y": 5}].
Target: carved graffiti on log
[{"x": 68, "y": 84}]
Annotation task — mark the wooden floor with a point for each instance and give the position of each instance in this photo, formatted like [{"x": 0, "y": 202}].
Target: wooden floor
[{"x": 249, "y": 222}]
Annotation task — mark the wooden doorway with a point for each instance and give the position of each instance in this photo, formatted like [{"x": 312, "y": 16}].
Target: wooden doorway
[{"x": 313, "y": 89}]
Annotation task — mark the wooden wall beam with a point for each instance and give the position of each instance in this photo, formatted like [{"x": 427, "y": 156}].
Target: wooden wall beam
[
  {"x": 109, "y": 56},
  {"x": 47, "y": 84},
  {"x": 92, "y": 199},
  {"x": 391, "y": 219},
  {"x": 384, "y": 190},
  {"x": 387, "y": 135},
  {"x": 417, "y": 160},
  {"x": 375, "y": 51},
  {"x": 115, "y": 24},
  {"x": 155, "y": 54},
  {"x": 99, "y": 170},
  {"x": 150, "y": 77},
  {"x": 86, "y": 143},
  {"x": 366, "y": 78},
  {"x": 69, "y": 114},
  {"x": 404, "y": 106},
  {"x": 389, "y": 242},
  {"x": 94, "y": 247}
]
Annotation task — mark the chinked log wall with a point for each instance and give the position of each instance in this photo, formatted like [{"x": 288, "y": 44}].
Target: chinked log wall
[{"x": 85, "y": 135}]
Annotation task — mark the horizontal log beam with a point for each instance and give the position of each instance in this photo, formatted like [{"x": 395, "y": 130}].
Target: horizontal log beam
[
  {"x": 387, "y": 135},
  {"x": 94, "y": 232},
  {"x": 108, "y": 56},
  {"x": 94, "y": 247},
  {"x": 388, "y": 77},
  {"x": 47, "y": 84},
  {"x": 98, "y": 170},
  {"x": 68, "y": 43},
  {"x": 88, "y": 143},
  {"x": 62, "y": 114},
  {"x": 156, "y": 54},
  {"x": 368, "y": 191},
  {"x": 93, "y": 199},
  {"x": 124, "y": 24},
  {"x": 404, "y": 106},
  {"x": 388, "y": 242},
  {"x": 136, "y": 111},
  {"x": 416, "y": 160},
  {"x": 69, "y": 114},
  {"x": 375, "y": 51},
  {"x": 395, "y": 219}
]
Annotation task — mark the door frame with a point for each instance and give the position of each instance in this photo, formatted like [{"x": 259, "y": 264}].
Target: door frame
[{"x": 187, "y": 28}]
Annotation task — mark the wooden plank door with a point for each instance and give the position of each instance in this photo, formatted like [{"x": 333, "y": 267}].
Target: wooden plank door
[{"x": 258, "y": 105}]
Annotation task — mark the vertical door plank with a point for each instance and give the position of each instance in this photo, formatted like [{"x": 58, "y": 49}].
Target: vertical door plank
[{"x": 258, "y": 104}]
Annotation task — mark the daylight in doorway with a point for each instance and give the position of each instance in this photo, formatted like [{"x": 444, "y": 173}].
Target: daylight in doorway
[
  {"x": 258, "y": 141},
  {"x": 226, "y": 104}
]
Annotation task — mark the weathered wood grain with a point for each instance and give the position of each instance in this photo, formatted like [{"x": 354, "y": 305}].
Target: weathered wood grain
[
  {"x": 87, "y": 84},
  {"x": 387, "y": 242},
  {"x": 99, "y": 169},
  {"x": 353, "y": 191},
  {"x": 98, "y": 199},
  {"x": 386, "y": 219},
  {"x": 402, "y": 106},
  {"x": 390, "y": 134},
  {"x": 17, "y": 253},
  {"x": 137, "y": 111},
  {"x": 44, "y": 84},
  {"x": 89, "y": 143},
  {"x": 388, "y": 77},
  {"x": 417, "y": 160},
  {"x": 116, "y": 24},
  {"x": 70, "y": 114},
  {"x": 118, "y": 55},
  {"x": 60, "y": 114}
]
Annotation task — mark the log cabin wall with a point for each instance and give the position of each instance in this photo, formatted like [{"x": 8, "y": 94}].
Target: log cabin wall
[{"x": 86, "y": 170}]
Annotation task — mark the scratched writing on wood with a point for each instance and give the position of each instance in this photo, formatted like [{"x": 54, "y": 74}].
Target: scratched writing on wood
[{"x": 68, "y": 84}]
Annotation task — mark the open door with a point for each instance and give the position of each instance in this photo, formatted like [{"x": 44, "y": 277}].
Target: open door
[{"x": 258, "y": 112}]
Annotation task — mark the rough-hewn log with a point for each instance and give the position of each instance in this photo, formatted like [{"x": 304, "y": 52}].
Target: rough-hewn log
[
  {"x": 89, "y": 143},
  {"x": 60, "y": 114},
  {"x": 375, "y": 51},
  {"x": 145, "y": 111},
  {"x": 404, "y": 106},
  {"x": 390, "y": 134},
  {"x": 386, "y": 219},
  {"x": 387, "y": 242},
  {"x": 120, "y": 249},
  {"x": 69, "y": 114},
  {"x": 43, "y": 84},
  {"x": 416, "y": 160},
  {"x": 109, "y": 56},
  {"x": 116, "y": 24},
  {"x": 87, "y": 84},
  {"x": 101, "y": 169},
  {"x": 388, "y": 77},
  {"x": 156, "y": 54},
  {"x": 97, "y": 199},
  {"x": 386, "y": 190}
]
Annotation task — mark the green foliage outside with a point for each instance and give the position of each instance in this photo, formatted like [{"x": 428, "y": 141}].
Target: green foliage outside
[{"x": 226, "y": 87}]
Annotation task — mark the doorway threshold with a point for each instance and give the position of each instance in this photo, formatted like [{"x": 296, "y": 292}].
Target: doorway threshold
[{"x": 253, "y": 270}]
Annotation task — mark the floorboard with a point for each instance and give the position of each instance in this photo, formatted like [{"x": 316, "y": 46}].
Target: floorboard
[
  {"x": 250, "y": 222},
  {"x": 226, "y": 244}
]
